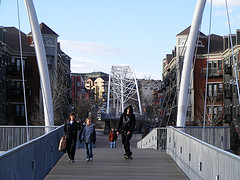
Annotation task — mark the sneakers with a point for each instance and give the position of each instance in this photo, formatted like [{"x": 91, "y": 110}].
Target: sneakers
[
  {"x": 72, "y": 161},
  {"x": 89, "y": 159}
]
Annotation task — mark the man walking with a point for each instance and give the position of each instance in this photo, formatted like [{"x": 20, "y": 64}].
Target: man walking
[{"x": 126, "y": 126}]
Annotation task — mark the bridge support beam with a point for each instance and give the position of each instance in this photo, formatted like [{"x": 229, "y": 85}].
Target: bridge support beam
[
  {"x": 42, "y": 65},
  {"x": 186, "y": 71}
]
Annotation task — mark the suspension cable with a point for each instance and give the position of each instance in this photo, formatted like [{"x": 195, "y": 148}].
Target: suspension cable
[
  {"x": 22, "y": 68},
  {"x": 206, "y": 89},
  {"x": 234, "y": 62}
]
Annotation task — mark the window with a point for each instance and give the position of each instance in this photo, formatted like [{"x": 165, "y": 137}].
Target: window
[
  {"x": 220, "y": 64},
  {"x": 215, "y": 90},
  {"x": 17, "y": 110},
  {"x": 12, "y": 61},
  {"x": 220, "y": 89},
  {"x": 220, "y": 111},
  {"x": 22, "y": 111},
  {"x": 210, "y": 90},
  {"x": 181, "y": 41},
  {"x": 215, "y": 110},
  {"x": 18, "y": 64}
]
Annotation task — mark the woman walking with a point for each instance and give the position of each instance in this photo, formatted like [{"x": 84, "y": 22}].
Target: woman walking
[
  {"x": 70, "y": 130},
  {"x": 89, "y": 137}
]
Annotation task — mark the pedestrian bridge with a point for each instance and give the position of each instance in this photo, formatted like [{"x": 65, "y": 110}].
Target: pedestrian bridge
[{"x": 163, "y": 154}]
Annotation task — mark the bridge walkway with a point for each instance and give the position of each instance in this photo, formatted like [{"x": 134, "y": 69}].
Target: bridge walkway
[{"x": 110, "y": 164}]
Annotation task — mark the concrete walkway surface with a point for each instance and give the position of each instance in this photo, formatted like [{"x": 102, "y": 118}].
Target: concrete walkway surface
[{"x": 110, "y": 164}]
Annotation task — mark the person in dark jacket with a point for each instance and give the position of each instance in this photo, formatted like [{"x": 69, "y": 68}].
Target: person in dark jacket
[
  {"x": 112, "y": 138},
  {"x": 89, "y": 137},
  {"x": 125, "y": 127},
  {"x": 71, "y": 128}
]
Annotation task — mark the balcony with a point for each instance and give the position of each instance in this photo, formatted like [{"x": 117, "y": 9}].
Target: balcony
[
  {"x": 18, "y": 93},
  {"x": 228, "y": 118},
  {"x": 228, "y": 70},
  {"x": 14, "y": 70},
  {"x": 167, "y": 81},
  {"x": 228, "y": 94},
  {"x": 213, "y": 72}
]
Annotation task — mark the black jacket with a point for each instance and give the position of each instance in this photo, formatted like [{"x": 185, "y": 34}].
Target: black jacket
[
  {"x": 127, "y": 122},
  {"x": 71, "y": 130}
]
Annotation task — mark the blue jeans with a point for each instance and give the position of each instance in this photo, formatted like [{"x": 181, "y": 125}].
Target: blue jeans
[
  {"x": 88, "y": 146},
  {"x": 113, "y": 144}
]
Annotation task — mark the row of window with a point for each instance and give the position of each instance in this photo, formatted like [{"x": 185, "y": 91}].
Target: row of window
[
  {"x": 214, "y": 89},
  {"x": 18, "y": 110},
  {"x": 16, "y": 62}
]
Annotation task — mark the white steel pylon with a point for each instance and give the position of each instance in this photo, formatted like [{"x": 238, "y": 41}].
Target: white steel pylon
[{"x": 122, "y": 87}]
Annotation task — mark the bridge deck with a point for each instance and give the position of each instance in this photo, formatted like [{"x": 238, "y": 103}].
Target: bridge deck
[{"x": 110, "y": 164}]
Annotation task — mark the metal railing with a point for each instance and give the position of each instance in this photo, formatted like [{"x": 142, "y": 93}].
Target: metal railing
[
  {"x": 200, "y": 160},
  {"x": 197, "y": 159},
  {"x": 33, "y": 159},
  {"x": 216, "y": 136},
  {"x": 13, "y": 136},
  {"x": 156, "y": 139}
]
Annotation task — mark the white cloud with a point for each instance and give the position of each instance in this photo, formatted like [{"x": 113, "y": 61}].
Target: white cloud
[
  {"x": 85, "y": 65},
  {"x": 222, "y": 2},
  {"x": 148, "y": 75},
  {"x": 89, "y": 48}
]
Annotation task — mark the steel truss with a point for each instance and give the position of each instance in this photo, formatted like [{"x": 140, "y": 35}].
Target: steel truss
[{"x": 122, "y": 87}]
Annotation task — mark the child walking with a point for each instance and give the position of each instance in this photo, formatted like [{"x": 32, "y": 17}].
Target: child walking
[
  {"x": 112, "y": 137},
  {"x": 89, "y": 137}
]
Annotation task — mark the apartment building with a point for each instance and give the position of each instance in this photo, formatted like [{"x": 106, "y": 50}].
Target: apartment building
[
  {"x": 172, "y": 68},
  {"x": 222, "y": 105},
  {"x": 231, "y": 97},
  {"x": 12, "y": 79},
  {"x": 214, "y": 85},
  {"x": 3, "y": 76}
]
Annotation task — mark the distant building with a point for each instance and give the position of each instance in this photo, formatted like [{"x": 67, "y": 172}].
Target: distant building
[
  {"x": 101, "y": 88},
  {"x": 93, "y": 74},
  {"x": 78, "y": 88},
  {"x": 147, "y": 89},
  {"x": 58, "y": 63}
]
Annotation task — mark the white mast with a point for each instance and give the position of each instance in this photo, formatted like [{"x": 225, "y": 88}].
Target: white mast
[
  {"x": 42, "y": 64},
  {"x": 186, "y": 71}
]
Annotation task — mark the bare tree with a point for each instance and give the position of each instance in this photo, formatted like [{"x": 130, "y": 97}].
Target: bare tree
[
  {"x": 211, "y": 119},
  {"x": 36, "y": 114},
  {"x": 60, "y": 94}
]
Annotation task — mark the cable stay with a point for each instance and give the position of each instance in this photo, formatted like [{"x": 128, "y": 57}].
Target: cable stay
[{"x": 22, "y": 68}]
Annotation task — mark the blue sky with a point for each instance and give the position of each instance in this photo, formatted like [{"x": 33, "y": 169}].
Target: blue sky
[{"x": 97, "y": 34}]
